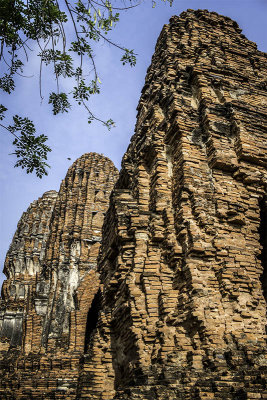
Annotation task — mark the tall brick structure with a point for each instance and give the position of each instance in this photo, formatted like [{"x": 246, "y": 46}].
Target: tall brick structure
[
  {"x": 183, "y": 312},
  {"x": 52, "y": 280},
  {"x": 180, "y": 308}
]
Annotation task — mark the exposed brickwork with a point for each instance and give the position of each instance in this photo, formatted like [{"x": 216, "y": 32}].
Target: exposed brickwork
[
  {"x": 178, "y": 310},
  {"x": 54, "y": 253},
  {"x": 23, "y": 263},
  {"x": 183, "y": 314}
]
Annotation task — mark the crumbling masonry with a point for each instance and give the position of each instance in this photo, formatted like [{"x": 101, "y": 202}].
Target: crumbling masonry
[
  {"x": 51, "y": 283},
  {"x": 175, "y": 307}
]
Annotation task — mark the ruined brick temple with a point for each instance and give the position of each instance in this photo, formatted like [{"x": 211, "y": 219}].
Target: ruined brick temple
[{"x": 154, "y": 288}]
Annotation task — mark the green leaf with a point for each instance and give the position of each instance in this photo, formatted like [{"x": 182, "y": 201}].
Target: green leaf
[
  {"x": 3, "y": 109},
  {"x": 59, "y": 102},
  {"x": 30, "y": 150},
  {"x": 129, "y": 57}
]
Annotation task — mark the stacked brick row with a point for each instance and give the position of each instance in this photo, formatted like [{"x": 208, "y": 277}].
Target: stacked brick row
[
  {"x": 183, "y": 258},
  {"x": 46, "y": 362}
]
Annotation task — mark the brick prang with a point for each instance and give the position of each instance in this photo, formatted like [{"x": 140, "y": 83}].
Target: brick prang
[{"x": 172, "y": 304}]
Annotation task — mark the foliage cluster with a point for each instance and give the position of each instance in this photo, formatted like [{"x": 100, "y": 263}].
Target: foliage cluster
[{"x": 24, "y": 23}]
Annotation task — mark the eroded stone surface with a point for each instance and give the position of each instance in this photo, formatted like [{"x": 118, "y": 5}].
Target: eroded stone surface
[
  {"x": 183, "y": 311},
  {"x": 52, "y": 264},
  {"x": 23, "y": 263},
  {"x": 178, "y": 310}
]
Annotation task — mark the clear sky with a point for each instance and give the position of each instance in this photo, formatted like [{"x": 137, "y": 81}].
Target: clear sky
[{"x": 69, "y": 134}]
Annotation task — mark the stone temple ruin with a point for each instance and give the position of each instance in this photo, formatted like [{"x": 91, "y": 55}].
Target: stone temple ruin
[{"x": 172, "y": 304}]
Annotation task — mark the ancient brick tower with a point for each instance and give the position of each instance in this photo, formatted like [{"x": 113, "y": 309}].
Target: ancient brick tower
[
  {"x": 51, "y": 282},
  {"x": 180, "y": 310},
  {"x": 183, "y": 311}
]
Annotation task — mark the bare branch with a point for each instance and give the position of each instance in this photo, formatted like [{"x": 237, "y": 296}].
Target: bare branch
[{"x": 12, "y": 133}]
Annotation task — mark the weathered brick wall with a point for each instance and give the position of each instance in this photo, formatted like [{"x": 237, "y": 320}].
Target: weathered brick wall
[
  {"x": 183, "y": 311},
  {"x": 59, "y": 245},
  {"x": 22, "y": 264},
  {"x": 178, "y": 310}
]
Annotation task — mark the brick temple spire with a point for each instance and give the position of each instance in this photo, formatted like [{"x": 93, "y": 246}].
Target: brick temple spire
[
  {"x": 52, "y": 280},
  {"x": 172, "y": 305},
  {"x": 183, "y": 311}
]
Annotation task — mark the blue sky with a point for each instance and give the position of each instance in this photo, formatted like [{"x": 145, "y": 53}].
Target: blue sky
[{"x": 69, "y": 134}]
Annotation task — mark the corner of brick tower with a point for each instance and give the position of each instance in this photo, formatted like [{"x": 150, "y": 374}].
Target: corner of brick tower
[{"x": 183, "y": 256}]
